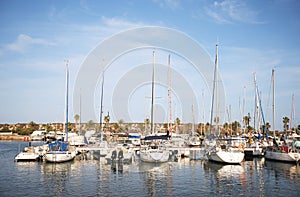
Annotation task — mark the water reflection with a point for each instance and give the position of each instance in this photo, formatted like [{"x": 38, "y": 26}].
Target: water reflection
[
  {"x": 288, "y": 170},
  {"x": 56, "y": 175},
  {"x": 185, "y": 177},
  {"x": 157, "y": 178}
]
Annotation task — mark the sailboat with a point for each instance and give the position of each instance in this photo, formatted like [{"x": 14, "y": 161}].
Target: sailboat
[
  {"x": 255, "y": 147},
  {"x": 221, "y": 150},
  {"x": 153, "y": 151},
  {"x": 286, "y": 152},
  {"x": 60, "y": 151}
]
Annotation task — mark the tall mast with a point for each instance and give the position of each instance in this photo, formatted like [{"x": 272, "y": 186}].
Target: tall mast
[
  {"x": 203, "y": 109},
  {"x": 193, "y": 116},
  {"x": 217, "y": 88},
  {"x": 80, "y": 112},
  {"x": 255, "y": 103},
  {"x": 292, "y": 113},
  {"x": 101, "y": 101},
  {"x": 152, "y": 94},
  {"x": 244, "y": 104},
  {"x": 170, "y": 96},
  {"x": 67, "y": 99},
  {"x": 273, "y": 101},
  {"x": 214, "y": 89}
]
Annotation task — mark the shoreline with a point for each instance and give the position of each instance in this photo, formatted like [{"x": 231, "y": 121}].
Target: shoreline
[{"x": 12, "y": 137}]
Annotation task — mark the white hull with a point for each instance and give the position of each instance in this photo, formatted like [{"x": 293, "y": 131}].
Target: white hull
[
  {"x": 282, "y": 156},
  {"x": 229, "y": 157},
  {"x": 59, "y": 156},
  {"x": 154, "y": 155},
  {"x": 27, "y": 156}
]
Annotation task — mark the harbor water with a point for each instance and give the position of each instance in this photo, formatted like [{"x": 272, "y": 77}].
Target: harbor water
[{"x": 185, "y": 177}]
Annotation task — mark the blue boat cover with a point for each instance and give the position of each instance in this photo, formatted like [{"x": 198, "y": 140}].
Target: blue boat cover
[{"x": 58, "y": 146}]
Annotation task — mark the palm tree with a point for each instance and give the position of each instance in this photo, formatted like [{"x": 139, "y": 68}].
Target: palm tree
[
  {"x": 177, "y": 123},
  {"x": 285, "y": 121},
  {"x": 76, "y": 118},
  {"x": 268, "y": 126},
  {"x": 107, "y": 119},
  {"x": 246, "y": 120},
  {"x": 147, "y": 124},
  {"x": 90, "y": 124},
  {"x": 235, "y": 126}
]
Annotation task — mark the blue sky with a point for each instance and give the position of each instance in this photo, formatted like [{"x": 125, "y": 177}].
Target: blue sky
[{"x": 254, "y": 37}]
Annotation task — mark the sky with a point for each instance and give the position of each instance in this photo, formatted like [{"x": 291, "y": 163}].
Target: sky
[{"x": 253, "y": 36}]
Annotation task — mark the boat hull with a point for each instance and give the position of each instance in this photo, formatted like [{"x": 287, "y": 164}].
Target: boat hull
[
  {"x": 25, "y": 156},
  {"x": 226, "y": 157},
  {"x": 282, "y": 156},
  {"x": 154, "y": 155},
  {"x": 60, "y": 156}
]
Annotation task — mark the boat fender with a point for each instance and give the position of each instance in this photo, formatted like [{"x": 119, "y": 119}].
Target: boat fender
[{"x": 241, "y": 147}]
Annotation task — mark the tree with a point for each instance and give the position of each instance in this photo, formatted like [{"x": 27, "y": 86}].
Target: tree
[
  {"x": 235, "y": 125},
  {"x": 107, "y": 119},
  {"x": 33, "y": 126},
  {"x": 147, "y": 124},
  {"x": 268, "y": 126},
  {"x": 285, "y": 121},
  {"x": 246, "y": 120},
  {"x": 76, "y": 118},
  {"x": 48, "y": 127},
  {"x": 177, "y": 123},
  {"x": 90, "y": 124}
]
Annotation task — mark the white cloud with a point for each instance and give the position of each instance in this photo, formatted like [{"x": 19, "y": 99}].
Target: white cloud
[
  {"x": 23, "y": 42},
  {"x": 229, "y": 11},
  {"x": 117, "y": 23}
]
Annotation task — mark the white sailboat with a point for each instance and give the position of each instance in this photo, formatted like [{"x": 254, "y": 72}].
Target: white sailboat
[
  {"x": 153, "y": 151},
  {"x": 286, "y": 152},
  {"x": 60, "y": 151},
  {"x": 220, "y": 150},
  {"x": 31, "y": 153},
  {"x": 255, "y": 147}
]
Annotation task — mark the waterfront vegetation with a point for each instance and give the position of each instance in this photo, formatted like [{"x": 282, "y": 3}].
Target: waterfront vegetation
[{"x": 233, "y": 128}]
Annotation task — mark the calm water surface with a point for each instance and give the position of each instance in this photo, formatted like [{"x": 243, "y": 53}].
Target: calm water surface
[{"x": 183, "y": 178}]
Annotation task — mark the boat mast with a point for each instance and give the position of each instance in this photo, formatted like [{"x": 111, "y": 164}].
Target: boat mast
[
  {"x": 203, "y": 110},
  {"x": 80, "y": 112},
  {"x": 213, "y": 93},
  {"x": 244, "y": 104},
  {"x": 255, "y": 103},
  {"x": 193, "y": 116},
  {"x": 67, "y": 99},
  {"x": 262, "y": 114},
  {"x": 273, "y": 101},
  {"x": 152, "y": 94},
  {"x": 170, "y": 95},
  {"x": 292, "y": 113},
  {"x": 101, "y": 101}
]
